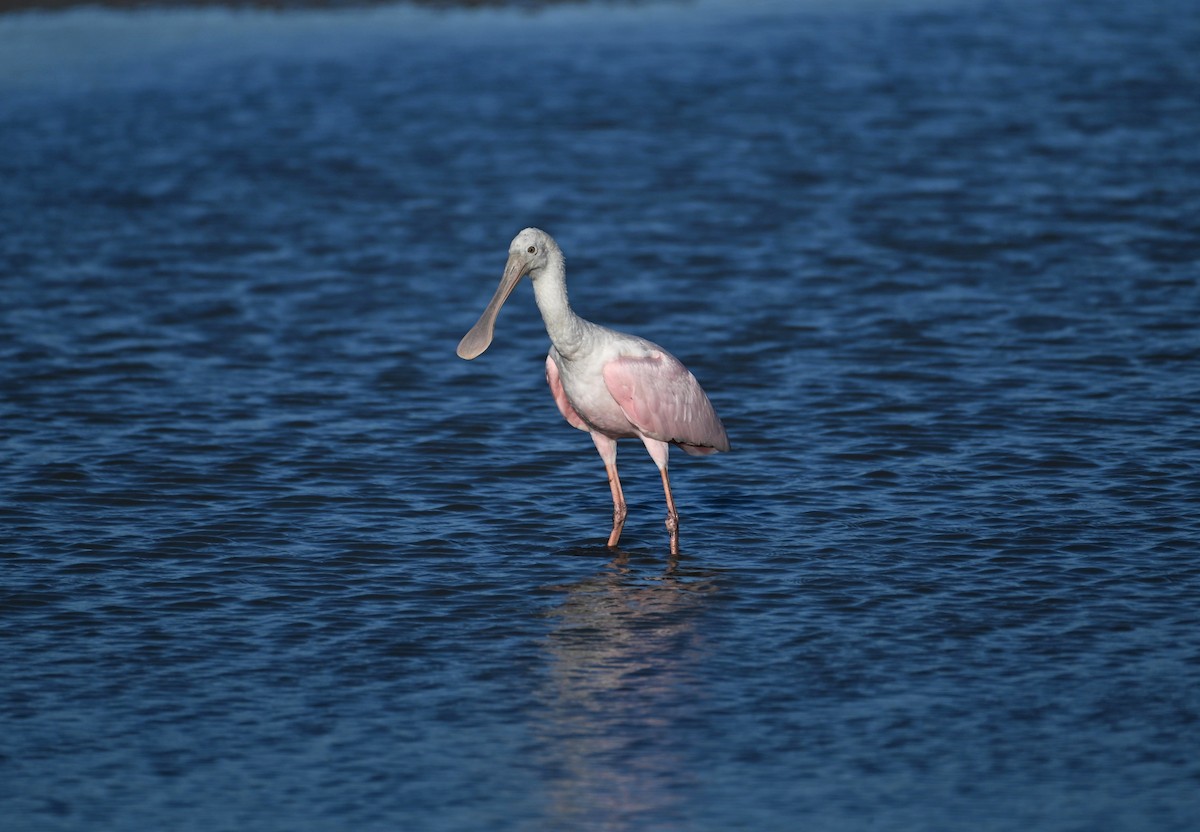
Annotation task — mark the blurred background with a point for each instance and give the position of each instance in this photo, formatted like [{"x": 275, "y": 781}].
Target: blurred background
[{"x": 273, "y": 557}]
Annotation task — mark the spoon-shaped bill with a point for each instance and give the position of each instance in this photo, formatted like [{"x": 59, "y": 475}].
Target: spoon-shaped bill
[{"x": 480, "y": 336}]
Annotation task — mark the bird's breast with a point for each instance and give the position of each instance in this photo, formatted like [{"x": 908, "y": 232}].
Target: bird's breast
[{"x": 583, "y": 384}]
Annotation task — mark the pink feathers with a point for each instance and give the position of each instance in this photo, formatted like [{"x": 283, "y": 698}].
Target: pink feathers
[
  {"x": 560, "y": 396},
  {"x": 664, "y": 401}
]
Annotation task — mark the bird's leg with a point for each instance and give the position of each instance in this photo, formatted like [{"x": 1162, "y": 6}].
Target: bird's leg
[
  {"x": 614, "y": 483},
  {"x": 658, "y": 452},
  {"x": 672, "y": 514},
  {"x": 608, "y": 452}
]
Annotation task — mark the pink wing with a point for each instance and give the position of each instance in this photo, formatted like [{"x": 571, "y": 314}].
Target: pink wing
[
  {"x": 665, "y": 402},
  {"x": 560, "y": 398}
]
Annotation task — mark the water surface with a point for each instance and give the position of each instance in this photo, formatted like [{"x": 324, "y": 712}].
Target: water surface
[{"x": 274, "y": 558}]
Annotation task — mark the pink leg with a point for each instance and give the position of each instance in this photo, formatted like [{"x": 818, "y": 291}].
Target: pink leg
[
  {"x": 608, "y": 452},
  {"x": 658, "y": 452}
]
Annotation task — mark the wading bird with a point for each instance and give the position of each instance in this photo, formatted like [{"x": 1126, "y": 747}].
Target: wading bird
[{"x": 612, "y": 385}]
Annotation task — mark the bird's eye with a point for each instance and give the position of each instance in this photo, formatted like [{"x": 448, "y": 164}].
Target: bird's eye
[{"x": 533, "y": 249}]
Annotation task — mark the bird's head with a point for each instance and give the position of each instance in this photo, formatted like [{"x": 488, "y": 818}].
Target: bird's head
[{"x": 528, "y": 254}]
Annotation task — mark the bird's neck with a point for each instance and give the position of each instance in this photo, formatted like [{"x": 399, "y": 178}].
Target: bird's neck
[{"x": 565, "y": 328}]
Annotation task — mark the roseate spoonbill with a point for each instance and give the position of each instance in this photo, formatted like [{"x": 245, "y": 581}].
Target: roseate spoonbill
[{"x": 612, "y": 385}]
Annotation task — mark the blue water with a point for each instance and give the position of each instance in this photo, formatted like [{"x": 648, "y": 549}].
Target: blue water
[{"x": 276, "y": 559}]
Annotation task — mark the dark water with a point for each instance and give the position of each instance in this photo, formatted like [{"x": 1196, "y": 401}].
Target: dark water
[{"x": 274, "y": 558}]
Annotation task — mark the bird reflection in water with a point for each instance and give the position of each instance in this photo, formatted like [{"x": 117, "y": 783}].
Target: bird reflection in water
[{"x": 621, "y": 685}]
